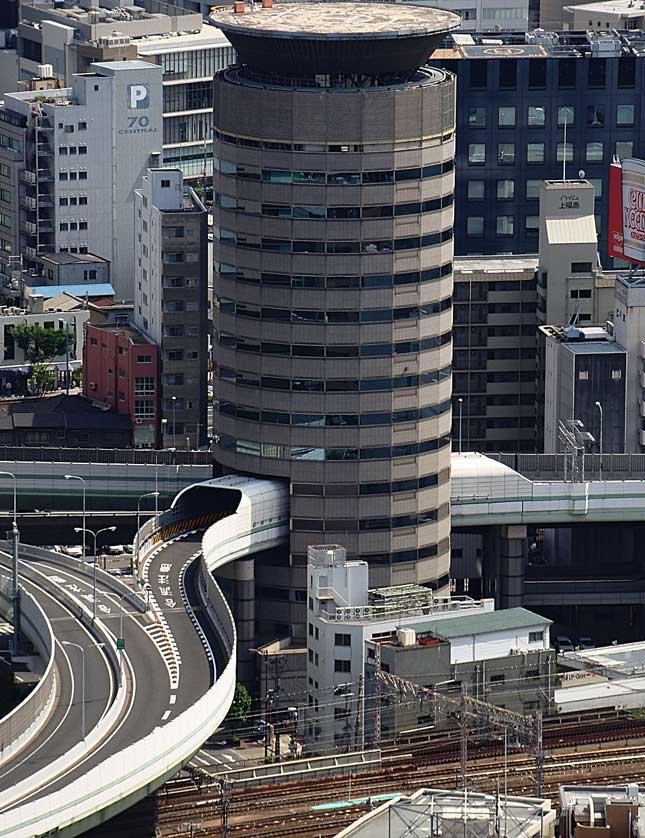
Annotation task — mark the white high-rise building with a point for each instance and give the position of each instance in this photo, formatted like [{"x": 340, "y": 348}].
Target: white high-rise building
[{"x": 70, "y": 160}]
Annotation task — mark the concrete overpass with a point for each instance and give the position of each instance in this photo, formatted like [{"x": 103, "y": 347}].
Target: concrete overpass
[{"x": 180, "y": 661}]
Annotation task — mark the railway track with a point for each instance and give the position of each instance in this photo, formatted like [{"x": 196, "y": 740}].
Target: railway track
[{"x": 278, "y": 811}]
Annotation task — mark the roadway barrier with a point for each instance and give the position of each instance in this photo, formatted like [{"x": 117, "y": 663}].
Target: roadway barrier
[
  {"x": 138, "y": 769},
  {"x": 132, "y": 456},
  {"x": 14, "y": 794},
  {"x": 29, "y": 551},
  {"x": 305, "y": 769},
  {"x": 19, "y": 726}
]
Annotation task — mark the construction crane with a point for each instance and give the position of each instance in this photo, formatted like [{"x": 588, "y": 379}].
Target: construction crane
[{"x": 527, "y": 730}]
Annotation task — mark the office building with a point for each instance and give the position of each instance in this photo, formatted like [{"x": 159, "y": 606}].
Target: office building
[
  {"x": 515, "y": 96},
  {"x": 121, "y": 372},
  {"x": 502, "y": 657},
  {"x": 333, "y": 276},
  {"x": 59, "y": 313},
  {"x": 616, "y": 810},
  {"x": 189, "y": 51},
  {"x": 70, "y": 160},
  {"x": 494, "y": 359},
  {"x": 617, "y": 14},
  {"x": 171, "y": 300},
  {"x": 570, "y": 278},
  {"x": 430, "y": 812},
  {"x": 584, "y": 379},
  {"x": 629, "y": 331},
  {"x": 56, "y": 420}
]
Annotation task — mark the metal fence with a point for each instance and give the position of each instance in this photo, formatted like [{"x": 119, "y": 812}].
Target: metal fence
[
  {"x": 24, "y": 721},
  {"x": 127, "y": 456},
  {"x": 552, "y": 466}
]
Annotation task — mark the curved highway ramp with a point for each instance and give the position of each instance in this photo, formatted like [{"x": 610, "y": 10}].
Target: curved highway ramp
[{"x": 134, "y": 683}]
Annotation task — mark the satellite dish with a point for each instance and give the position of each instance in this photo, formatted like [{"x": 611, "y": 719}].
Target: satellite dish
[{"x": 581, "y": 173}]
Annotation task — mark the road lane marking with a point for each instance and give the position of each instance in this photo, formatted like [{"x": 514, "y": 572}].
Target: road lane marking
[{"x": 165, "y": 715}]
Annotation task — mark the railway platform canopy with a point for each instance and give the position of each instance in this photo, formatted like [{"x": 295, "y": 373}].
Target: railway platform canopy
[
  {"x": 452, "y": 814},
  {"x": 606, "y": 677}
]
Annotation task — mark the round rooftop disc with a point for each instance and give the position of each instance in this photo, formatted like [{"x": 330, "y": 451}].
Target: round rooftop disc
[{"x": 335, "y": 38}]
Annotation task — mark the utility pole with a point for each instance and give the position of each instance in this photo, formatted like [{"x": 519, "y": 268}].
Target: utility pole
[
  {"x": 463, "y": 730},
  {"x": 539, "y": 753},
  {"x": 377, "y": 703},
  {"x": 225, "y": 791},
  {"x": 359, "y": 729}
]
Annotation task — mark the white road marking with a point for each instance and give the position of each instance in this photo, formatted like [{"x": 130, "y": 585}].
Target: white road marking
[
  {"x": 173, "y": 698},
  {"x": 165, "y": 715}
]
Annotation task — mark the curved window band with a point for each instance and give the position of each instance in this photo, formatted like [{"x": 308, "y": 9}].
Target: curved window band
[
  {"x": 334, "y": 385},
  {"x": 340, "y": 213},
  {"x": 333, "y": 248},
  {"x": 336, "y": 490},
  {"x": 235, "y": 308},
  {"x": 310, "y": 178},
  {"x": 312, "y": 350},
  {"x": 394, "y": 522},
  {"x": 285, "y": 452},
  {"x": 230, "y": 272},
  {"x": 332, "y": 420}
]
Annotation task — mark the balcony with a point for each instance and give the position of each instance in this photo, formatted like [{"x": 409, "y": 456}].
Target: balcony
[
  {"x": 30, "y": 228},
  {"x": 641, "y": 435},
  {"x": 641, "y": 407},
  {"x": 31, "y": 252},
  {"x": 641, "y": 350},
  {"x": 28, "y": 176},
  {"x": 642, "y": 377},
  {"x": 29, "y": 202}
]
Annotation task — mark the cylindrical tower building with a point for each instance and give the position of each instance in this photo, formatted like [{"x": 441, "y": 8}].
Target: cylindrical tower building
[{"x": 333, "y": 227}]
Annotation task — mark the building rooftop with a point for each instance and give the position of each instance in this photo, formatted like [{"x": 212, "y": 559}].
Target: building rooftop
[
  {"x": 125, "y": 330},
  {"x": 209, "y": 35},
  {"x": 434, "y": 812},
  {"x": 539, "y": 44},
  {"x": 58, "y": 411},
  {"x": 621, "y": 8},
  {"x": 322, "y": 38},
  {"x": 495, "y": 264},
  {"x": 505, "y": 620},
  {"x": 91, "y": 290},
  {"x": 326, "y": 20}
]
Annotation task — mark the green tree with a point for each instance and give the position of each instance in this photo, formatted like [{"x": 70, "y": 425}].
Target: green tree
[
  {"x": 39, "y": 344},
  {"x": 241, "y": 705},
  {"x": 41, "y": 378}
]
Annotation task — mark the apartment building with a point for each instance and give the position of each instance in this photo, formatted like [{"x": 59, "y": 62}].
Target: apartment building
[
  {"x": 188, "y": 49},
  {"x": 517, "y": 92},
  {"x": 171, "y": 300},
  {"x": 70, "y": 160}
]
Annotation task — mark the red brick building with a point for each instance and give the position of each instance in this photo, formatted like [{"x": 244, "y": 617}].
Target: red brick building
[{"x": 121, "y": 368}]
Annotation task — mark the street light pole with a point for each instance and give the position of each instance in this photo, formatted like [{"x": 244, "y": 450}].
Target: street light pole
[
  {"x": 599, "y": 406},
  {"x": 174, "y": 420},
  {"x": 157, "y": 475},
  {"x": 15, "y": 586},
  {"x": 141, "y": 497},
  {"x": 461, "y": 410},
  {"x": 82, "y": 651},
  {"x": 121, "y": 608},
  {"x": 95, "y": 535},
  {"x": 82, "y": 479}
]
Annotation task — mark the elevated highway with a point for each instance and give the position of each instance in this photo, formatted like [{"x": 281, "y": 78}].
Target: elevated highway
[{"x": 175, "y": 681}]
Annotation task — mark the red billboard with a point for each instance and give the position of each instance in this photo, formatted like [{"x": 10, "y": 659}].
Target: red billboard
[{"x": 627, "y": 211}]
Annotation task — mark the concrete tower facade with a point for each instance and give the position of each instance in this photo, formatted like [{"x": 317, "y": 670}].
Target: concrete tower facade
[{"x": 333, "y": 275}]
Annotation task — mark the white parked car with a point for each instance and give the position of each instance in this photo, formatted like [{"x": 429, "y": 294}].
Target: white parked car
[{"x": 75, "y": 551}]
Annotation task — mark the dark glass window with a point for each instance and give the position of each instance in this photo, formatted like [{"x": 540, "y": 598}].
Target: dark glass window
[
  {"x": 507, "y": 73},
  {"x": 597, "y": 72},
  {"x": 566, "y": 72},
  {"x": 626, "y": 71},
  {"x": 537, "y": 73},
  {"x": 478, "y": 74}
]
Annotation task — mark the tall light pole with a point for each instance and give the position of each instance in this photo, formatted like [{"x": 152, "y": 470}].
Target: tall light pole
[
  {"x": 82, "y": 651},
  {"x": 599, "y": 406},
  {"x": 82, "y": 479},
  {"x": 120, "y": 646},
  {"x": 157, "y": 475},
  {"x": 174, "y": 419},
  {"x": 95, "y": 535},
  {"x": 15, "y": 587},
  {"x": 141, "y": 497},
  {"x": 461, "y": 410}
]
